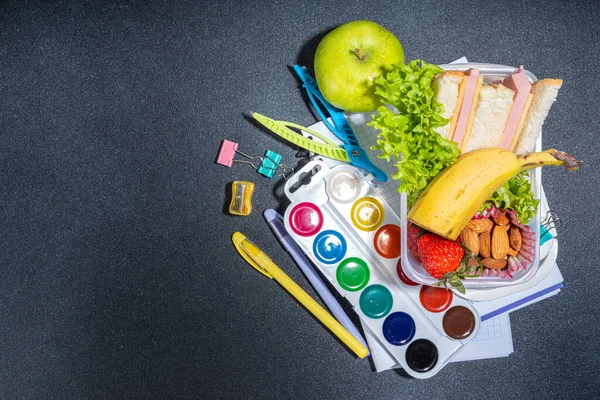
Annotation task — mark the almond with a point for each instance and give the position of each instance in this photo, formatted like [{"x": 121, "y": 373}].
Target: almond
[
  {"x": 499, "y": 242},
  {"x": 480, "y": 225},
  {"x": 516, "y": 240},
  {"x": 472, "y": 262},
  {"x": 470, "y": 240},
  {"x": 501, "y": 219},
  {"x": 512, "y": 252},
  {"x": 492, "y": 263},
  {"x": 506, "y": 227},
  {"x": 484, "y": 244}
]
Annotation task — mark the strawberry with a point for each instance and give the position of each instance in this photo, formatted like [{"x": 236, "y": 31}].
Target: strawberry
[
  {"x": 412, "y": 235},
  {"x": 447, "y": 261},
  {"x": 439, "y": 254}
]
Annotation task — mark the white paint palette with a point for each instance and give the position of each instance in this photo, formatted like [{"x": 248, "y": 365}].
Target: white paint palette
[{"x": 343, "y": 224}]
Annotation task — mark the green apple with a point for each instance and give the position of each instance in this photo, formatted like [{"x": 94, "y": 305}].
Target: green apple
[{"x": 350, "y": 58}]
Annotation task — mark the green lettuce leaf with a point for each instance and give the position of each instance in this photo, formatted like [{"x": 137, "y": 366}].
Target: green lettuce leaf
[
  {"x": 407, "y": 137},
  {"x": 516, "y": 194}
]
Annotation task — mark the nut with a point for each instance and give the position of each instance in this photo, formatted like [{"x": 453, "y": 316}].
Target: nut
[
  {"x": 484, "y": 244},
  {"x": 516, "y": 239},
  {"x": 470, "y": 240},
  {"x": 499, "y": 243},
  {"x": 506, "y": 227},
  {"x": 480, "y": 225},
  {"x": 501, "y": 219},
  {"x": 512, "y": 252},
  {"x": 492, "y": 263},
  {"x": 472, "y": 262}
]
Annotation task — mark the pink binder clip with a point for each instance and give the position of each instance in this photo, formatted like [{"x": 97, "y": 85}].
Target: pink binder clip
[{"x": 227, "y": 153}]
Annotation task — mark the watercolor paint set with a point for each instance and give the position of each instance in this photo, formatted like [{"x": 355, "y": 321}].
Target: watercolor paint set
[{"x": 340, "y": 219}]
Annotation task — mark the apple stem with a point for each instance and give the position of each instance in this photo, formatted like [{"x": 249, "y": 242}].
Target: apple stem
[{"x": 357, "y": 52}]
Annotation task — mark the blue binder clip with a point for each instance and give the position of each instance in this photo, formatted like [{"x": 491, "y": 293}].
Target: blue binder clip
[
  {"x": 552, "y": 221},
  {"x": 269, "y": 164}
]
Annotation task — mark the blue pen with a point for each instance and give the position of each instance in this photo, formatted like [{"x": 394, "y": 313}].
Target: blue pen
[{"x": 275, "y": 221}]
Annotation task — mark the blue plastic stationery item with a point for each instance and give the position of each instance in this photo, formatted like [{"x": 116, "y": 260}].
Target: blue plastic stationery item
[
  {"x": 269, "y": 164},
  {"x": 552, "y": 221},
  {"x": 340, "y": 127},
  {"x": 275, "y": 221},
  {"x": 545, "y": 235}
]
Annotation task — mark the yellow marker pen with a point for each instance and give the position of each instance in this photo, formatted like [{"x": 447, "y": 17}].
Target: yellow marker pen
[{"x": 260, "y": 261}]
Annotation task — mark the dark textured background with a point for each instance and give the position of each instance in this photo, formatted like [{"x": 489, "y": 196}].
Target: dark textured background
[{"x": 117, "y": 275}]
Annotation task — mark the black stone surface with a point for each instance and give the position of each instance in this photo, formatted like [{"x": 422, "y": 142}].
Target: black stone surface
[{"x": 118, "y": 278}]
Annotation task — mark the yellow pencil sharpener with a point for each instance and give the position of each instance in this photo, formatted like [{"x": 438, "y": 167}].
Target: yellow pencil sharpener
[{"x": 241, "y": 198}]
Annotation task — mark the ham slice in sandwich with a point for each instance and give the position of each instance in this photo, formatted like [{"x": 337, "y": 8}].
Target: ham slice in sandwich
[{"x": 519, "y": 83}]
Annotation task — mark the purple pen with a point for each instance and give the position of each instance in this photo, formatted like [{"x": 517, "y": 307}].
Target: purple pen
[{"x": 275, "y": 221}]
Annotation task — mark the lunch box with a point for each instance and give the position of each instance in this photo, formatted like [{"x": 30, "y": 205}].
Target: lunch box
[{"x": 415, "y": 271}]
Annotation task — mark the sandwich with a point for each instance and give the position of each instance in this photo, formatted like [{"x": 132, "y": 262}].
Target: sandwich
[
  {"x": 508, "y": 114},
  {"x": 450, "y": 90},
  {"x": 544, "y": 93}
]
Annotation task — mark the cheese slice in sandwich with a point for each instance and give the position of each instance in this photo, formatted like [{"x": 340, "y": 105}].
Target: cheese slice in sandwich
[
  {"x": 474, "y": 82},
  {"x": 491, "y": 113},
  {"x": 519, "y": 83},
  {"x": 449, "y": 88},
  {"x": 544, "y": 92}
]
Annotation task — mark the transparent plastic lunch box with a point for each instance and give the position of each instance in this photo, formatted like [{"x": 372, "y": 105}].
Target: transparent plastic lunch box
[{"x": 415, "y": 271}]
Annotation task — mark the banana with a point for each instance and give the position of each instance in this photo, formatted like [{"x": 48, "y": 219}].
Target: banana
[{"x": 453, "y": 197}]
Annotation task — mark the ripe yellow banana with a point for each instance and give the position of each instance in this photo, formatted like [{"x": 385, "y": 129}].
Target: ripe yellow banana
[{"x": 453, "y": 197}]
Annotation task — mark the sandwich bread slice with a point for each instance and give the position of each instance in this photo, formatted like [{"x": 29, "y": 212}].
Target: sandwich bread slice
[
  {"x": 450, "y": 90},
  {"x": 491, "y": 114},
  {"x": 544, "y": 93}
]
